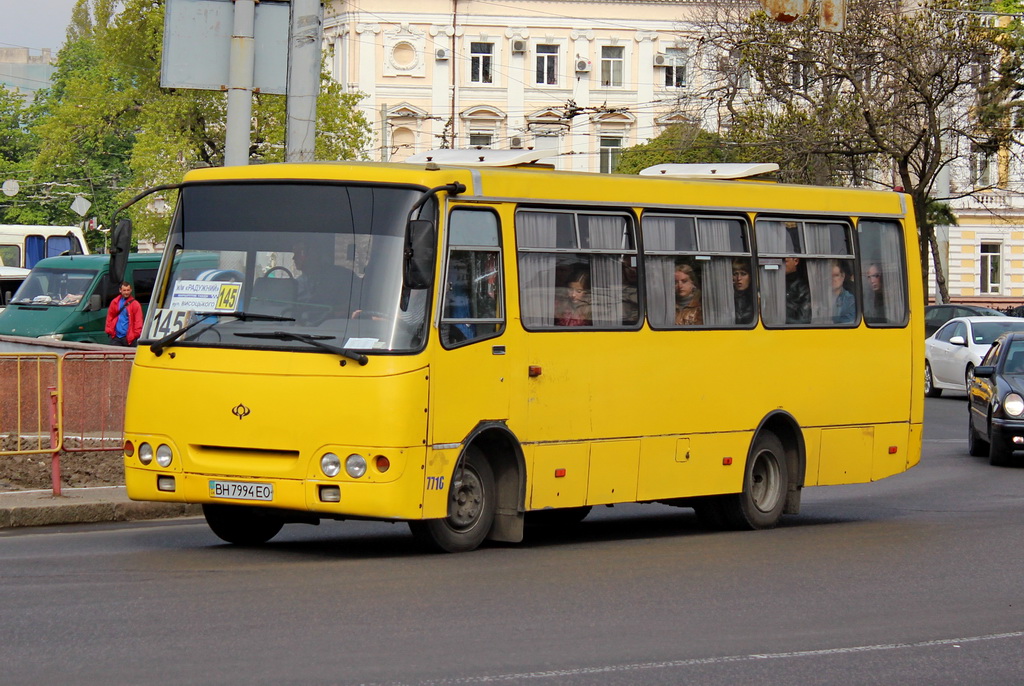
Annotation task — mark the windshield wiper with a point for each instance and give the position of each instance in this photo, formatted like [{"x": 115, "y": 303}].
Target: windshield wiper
[
  {"x": 315, "y": 341},
  {"x": 158, "y": 346}
]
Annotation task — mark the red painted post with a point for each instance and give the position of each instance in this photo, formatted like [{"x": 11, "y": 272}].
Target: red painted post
[{"x": 54, "y": 442}]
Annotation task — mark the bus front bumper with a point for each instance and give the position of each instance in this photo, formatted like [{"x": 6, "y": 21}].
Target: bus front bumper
[{"x": 400, "y": 499}]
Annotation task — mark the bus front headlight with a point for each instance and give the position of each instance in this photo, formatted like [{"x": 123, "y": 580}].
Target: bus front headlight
[
  {"x": 164, "y": 455},
  {"x": 330, "y": 464},
  {"x": 1013, "y": 404},
  {"x": 355, "y": 465},
  {"x": 145, "y": 453}
]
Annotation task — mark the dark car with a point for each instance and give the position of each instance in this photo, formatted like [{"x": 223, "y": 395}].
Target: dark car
[
  {"x": 937, "y": 315},
  {"x": 995, "y": 401}
]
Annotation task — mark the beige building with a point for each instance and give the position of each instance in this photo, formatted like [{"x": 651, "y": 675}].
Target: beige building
[{"x": 582, "y": 79}]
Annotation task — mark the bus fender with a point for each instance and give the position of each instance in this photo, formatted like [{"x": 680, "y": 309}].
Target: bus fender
[
  {"x": 503, "y": 451},
  {"x": 787, "y": 429}
]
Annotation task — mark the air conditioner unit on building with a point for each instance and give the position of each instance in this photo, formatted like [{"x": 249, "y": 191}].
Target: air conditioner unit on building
[
  {"x": 516, "y": 143},
  {"x": 518, "y": 46},
  {"x": 442, "y": 54},
  {"x": 660, "y": 61},
  {"x": 582, "y": 65}
]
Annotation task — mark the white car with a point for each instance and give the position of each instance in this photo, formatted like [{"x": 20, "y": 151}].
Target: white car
[{"x": 952, "y": 352}]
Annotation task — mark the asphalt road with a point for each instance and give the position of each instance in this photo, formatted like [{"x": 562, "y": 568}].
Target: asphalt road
[{"x": 912, "y": 580}]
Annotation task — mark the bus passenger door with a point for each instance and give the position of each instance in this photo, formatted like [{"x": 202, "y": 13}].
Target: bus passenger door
[{"x": 469, "y": 370}]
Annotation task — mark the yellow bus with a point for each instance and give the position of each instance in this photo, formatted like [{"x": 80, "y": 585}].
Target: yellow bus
[{"x": 471, "y": 341}]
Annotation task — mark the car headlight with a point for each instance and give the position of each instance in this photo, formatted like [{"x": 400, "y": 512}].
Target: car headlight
[
  {"x": 164, "y": 455},
  {"x": 145, "y": 453},
  {"x": 355, "y": 465},
  {"x": 1013, "y": 405},
  {"x": 330, "y": 464}
]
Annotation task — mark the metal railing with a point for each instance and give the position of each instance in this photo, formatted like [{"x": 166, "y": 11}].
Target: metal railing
[{"x": 53, "y": 403}]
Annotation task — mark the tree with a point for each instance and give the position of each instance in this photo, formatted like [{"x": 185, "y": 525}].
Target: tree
[
  {"x": 679, "y": 143},
  {"x": 108, "y": 127},
  {"x": 887, "y": 103}
]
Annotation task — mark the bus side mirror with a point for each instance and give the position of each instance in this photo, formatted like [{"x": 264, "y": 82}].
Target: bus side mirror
[
  {"x": 120, "y": 246},
  {"x": 76, "y": 247},
  {"x": 95, "y": 303},
  {"x": 420, "y": 252}
]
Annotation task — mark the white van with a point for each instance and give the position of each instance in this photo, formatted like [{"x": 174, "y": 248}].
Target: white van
[{"x": 23, "y": 245}]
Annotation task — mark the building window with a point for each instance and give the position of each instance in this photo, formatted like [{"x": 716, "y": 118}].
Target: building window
[
  {"x": 547, "y": 64},
  {"x": 981, "y": 169},
  {"x": 612, "y": 62},
  {"x": 480, "y": 140},
  {"x": 611, "y": 150},
  {"x": 481, "y": 56},
  {"x": 675, "y": 67},
  {"x": 991, "y": 268}
]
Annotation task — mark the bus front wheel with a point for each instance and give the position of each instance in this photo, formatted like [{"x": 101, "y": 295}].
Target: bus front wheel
[
  {"x": 242, "y": 525},
  {"x": 765, "y": 482},
  {"x": 471, "y": 507}
]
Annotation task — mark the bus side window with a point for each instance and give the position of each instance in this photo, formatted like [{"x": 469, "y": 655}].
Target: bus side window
[
  {"x": 472, "y": 299},
  {"x": 883, "y": 277}
]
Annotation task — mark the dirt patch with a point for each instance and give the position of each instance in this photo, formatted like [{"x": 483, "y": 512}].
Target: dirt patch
[{"x": 22, "y": 472}]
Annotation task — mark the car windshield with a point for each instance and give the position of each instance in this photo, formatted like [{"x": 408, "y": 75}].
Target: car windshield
[
  {"x": 299, "y": 262},
  {"x": 54, "y": 287},
  {"x": 986, "y": 332}
]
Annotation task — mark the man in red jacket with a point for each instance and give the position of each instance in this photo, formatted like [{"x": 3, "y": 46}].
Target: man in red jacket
[{"x": 124, "y": 318}]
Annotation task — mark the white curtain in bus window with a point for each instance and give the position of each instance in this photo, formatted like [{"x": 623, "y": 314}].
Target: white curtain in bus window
[
  {"x": 716, "y": 280},
  {"x": 883, "y": 277},
  {"x": 537, "y": 269},
  {"x": 604, "y": 232},
  {"x": 828, "y": 243},
  {"x": 771, "y": 239}
]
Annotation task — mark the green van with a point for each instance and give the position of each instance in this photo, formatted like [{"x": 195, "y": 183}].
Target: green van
[{"x": 66, "y": 298}]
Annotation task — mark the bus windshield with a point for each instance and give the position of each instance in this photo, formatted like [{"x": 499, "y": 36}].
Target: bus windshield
[
  {"x": 320, "y": 262},
  {"x": 54, "y": 287}
]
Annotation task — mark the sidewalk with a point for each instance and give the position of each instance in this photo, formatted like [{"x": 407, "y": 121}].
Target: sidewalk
[{"x": 82, "y": 505}]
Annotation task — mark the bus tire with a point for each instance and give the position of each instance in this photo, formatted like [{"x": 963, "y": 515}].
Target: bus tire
[
  {"x": 765, "y": 482},
  {"x": 242, "y": 525},
  {"x": 471, "y": 506}
]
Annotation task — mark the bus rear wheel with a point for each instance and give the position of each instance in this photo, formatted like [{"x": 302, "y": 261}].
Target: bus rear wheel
[
  {"x": 765, "y": 483},
  {"x": 471, "y": 507},
  {"x": 242, "y": 525}
]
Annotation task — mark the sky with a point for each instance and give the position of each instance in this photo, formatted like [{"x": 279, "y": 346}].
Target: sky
[{"x": 34, "y": 24}]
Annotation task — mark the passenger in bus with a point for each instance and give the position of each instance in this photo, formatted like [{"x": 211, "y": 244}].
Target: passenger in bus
[
  {"x": 874, "y": 299},
  {"x": 575, "y": 308},
  {"x": 798, "y": 293},
  {"x": 689, "y": 311},
  {"x": 844, "y": 309},
  {"x": 742, "y": 293}
]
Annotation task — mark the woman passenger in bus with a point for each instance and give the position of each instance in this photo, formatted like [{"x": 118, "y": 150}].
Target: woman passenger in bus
[
  {"x": 575, "y": 309},
  {"x": 689, "y": 311},
  {"x": 844, "y": 309},
  {"x": 874, "y": 299},
  {"x": 742, "y": 295}
]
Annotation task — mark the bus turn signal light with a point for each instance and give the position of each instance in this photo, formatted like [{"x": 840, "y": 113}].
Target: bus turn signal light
[
  {"x": 559, "y": 473},
  {"x": 534, "y": 370}
]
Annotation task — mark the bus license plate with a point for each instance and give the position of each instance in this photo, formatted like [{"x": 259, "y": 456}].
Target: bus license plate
[{"x": 236, "y": 490}]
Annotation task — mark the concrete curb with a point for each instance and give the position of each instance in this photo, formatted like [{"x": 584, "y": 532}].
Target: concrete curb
[{"x": 82, "y": 506}]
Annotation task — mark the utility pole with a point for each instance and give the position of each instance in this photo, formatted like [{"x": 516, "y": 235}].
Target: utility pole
[
  {"x": 242, "y": 61},
  {"x": 304, "y": 43}
]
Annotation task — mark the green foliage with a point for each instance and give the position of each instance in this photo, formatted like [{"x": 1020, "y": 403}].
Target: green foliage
[
  {"x": 679, "y": 143},
  {"x": 107, "y": 130}
]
